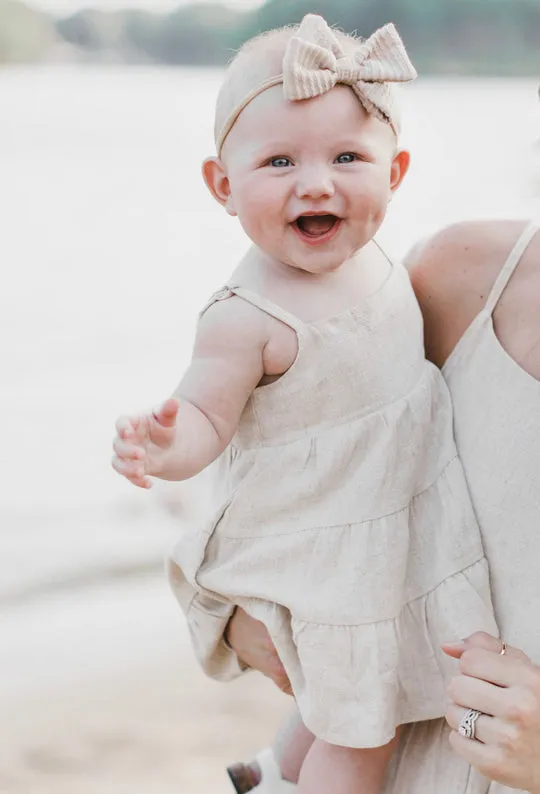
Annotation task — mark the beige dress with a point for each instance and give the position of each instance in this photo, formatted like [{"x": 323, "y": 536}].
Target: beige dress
[
  {"x": 497, "y": 425},
  {"x": 340, "y": 518}
]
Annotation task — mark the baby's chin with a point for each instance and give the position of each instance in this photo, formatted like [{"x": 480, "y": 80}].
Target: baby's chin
[{"x": 316, "y": 265}]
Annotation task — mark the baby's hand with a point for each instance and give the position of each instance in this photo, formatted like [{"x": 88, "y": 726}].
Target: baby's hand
[{"x": 142, "y": 443}]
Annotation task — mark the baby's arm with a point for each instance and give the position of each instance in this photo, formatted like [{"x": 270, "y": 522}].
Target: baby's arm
[
  {"x": 180, "y": 440},
  {"x": 226, "y": 367}
]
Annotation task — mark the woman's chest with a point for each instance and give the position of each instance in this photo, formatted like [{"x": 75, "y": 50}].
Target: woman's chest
[
  {"x": 497, "y": 427},
  {"x": 516, "y": 319}
]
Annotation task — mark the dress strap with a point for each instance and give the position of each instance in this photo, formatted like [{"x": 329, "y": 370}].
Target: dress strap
[
  {"x": 383, "y": 252},
  {"x": 510, "y": 265},
  {"x": 221, "y": 295},
  {"x": 260, "y": 302},
  {"x": 270, "y": 308}
]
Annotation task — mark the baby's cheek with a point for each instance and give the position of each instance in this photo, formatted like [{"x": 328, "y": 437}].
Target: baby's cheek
[
  {"x": 257, "y": 224},
  {"x": 262, "y": 200},
  {"x": 259, "y": 211},
  {"x": 373, "y": 204}
]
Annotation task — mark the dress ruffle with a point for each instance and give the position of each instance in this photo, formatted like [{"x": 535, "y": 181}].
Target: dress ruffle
[
  {"x": 359, "y": 619},
  {"x": 355, "y": 684}
]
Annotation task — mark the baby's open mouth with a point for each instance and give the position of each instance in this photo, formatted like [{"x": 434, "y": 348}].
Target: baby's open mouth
[{"x": 316, "y": 225}]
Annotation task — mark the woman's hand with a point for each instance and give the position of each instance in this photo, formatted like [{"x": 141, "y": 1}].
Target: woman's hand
[
  {"x": 253, "y": 646},
  {"x": 506, "y": 690}
]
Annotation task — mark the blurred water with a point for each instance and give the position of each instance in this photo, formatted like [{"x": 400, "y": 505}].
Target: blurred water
[{"x": 109, "y": 244}]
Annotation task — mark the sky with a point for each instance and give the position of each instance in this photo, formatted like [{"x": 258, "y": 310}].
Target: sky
[{"x": 69, "y": 6}]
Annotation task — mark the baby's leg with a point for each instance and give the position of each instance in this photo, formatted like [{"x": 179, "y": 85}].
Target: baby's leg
[
  {"x": 293, "y": 747},
  {"x": 290, "y": 750},
  {"x": 329, "y": 769}
]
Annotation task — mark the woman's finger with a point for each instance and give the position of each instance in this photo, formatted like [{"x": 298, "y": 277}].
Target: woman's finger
[
  {"x": 474, "y": 693},
  {"x": 482, "y": 641},
  {"x": 500, "y": 670},
  {"x": 498, "y": 647},
  {"x": 478, "y": 640},
  {"x": 488, "y": 730},
  {"x": 488, "y": 642},
  {"x": 485, "y": 757}
]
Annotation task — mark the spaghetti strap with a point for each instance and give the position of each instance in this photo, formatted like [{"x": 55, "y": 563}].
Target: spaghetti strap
[
  {"x": 260, "y": 302},
  {"x": 383, "y": 252},
  {"x": 510, "y": 265},
  {"x": 221, "y": 295},
  {"x": 270, "y": 308}
]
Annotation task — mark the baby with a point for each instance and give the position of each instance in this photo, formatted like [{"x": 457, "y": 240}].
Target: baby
[{"x": 339, "y": 514}]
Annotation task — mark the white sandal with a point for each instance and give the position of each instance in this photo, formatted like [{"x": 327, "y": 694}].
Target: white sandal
[{"x": 271, "y": 780}]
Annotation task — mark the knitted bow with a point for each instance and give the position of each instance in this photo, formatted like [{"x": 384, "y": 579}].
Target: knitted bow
[{"x": 315, "y": 62}]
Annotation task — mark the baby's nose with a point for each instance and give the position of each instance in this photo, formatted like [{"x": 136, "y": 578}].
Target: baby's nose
[{"x": 315, "y": 183}]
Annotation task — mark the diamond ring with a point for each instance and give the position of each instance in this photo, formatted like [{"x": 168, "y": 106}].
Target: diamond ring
[{"x": 467, "y": 725}]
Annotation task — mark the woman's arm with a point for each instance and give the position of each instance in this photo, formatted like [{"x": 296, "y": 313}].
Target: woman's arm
[
  {"x": 252, "y": 644},
  {"x": 506, "y": 690},
  {"x": 452, "y": 273}
]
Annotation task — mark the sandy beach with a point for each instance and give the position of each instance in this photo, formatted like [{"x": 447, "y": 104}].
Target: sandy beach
[{"x": 100, "y": 693}]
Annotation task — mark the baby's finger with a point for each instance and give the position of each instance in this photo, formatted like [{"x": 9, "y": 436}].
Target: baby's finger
[
  {"x": 130, "y": 427},
  {"x": 138, "y": 479},
  {"x": 139, "y": 428},
  {"x": 141, "y": 482},
  {"x": 127, "y": 451},
  {"x": 128, "y": 468},
  {"x": 123, "y": 426},
  {"x": 166, "y": 413}
]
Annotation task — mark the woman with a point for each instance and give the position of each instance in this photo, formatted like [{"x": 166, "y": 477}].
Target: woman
[{"x": 478, "y": 285}]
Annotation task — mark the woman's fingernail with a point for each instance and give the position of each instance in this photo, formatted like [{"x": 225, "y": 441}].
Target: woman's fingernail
[{"x": 454, "y": 644}]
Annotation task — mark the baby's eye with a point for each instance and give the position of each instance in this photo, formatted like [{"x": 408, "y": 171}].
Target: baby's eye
[
  {"x": 346, "y": 157},
  {"x": 280, "y": 162}
]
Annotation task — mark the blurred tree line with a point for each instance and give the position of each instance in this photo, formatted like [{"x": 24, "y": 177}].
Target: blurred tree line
[
  {"x": 443, "y": 36},
  {"x": 25, "y": 34}
]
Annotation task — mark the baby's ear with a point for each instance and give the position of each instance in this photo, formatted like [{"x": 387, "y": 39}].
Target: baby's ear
[
  {"x": 400, "y": 166},
  {"x": 217, "y": 182}
]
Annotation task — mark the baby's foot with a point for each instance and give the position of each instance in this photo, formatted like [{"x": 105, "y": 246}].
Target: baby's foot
[
  {"x": 260, "y": 776},
  {"x": 244, "y": 777}
]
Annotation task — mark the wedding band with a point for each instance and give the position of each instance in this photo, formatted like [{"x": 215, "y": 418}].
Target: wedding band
[
  {"x": 467, "y": 725},
  {"x": 504, "y": 648}
]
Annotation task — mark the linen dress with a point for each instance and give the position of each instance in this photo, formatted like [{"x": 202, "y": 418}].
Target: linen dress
[
  {"x": 339, "y": 516},
  {"x": 497, "y": 424}
]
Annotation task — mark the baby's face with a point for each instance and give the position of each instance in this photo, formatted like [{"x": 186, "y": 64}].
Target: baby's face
[{"x": 310, "y": 181}]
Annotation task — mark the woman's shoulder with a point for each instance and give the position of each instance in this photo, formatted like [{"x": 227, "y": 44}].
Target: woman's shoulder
[{"x": 453, "y": 273}]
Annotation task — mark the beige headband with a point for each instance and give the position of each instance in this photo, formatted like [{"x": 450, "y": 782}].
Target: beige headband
[{"x": 314, "y": 62}]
